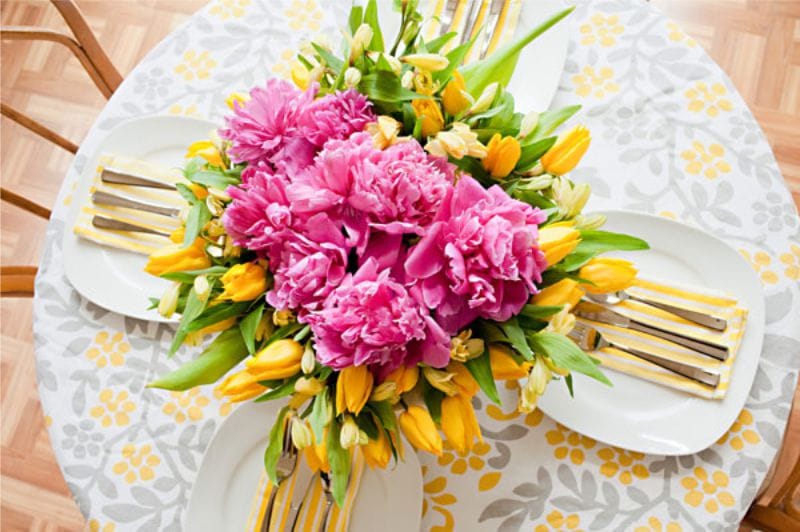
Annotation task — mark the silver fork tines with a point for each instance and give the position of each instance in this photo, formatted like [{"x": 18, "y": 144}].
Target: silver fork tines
[
  {"x": 446, "y": 18},
  {"x": 326, "y": 487},
  {"x": 491, "y": 25},
  {"x": 287, "y": 462}
]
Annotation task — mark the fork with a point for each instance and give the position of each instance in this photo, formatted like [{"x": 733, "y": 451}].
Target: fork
[
  {"x": 326, "y": 487},
  {"x": 287, "y": 462},
  {"x": 706, "y": 320},
  {"x": 100, "y": 197},
  {"x": 589, "y": 338}
]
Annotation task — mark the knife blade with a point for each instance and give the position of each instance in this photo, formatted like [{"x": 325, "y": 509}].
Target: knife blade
[
  {"x": 104, "y": 198},
  {"x": 119, "y": 177}
]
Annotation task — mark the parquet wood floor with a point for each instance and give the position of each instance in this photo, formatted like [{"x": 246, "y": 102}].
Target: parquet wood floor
[{"x": 756, "y": 41}]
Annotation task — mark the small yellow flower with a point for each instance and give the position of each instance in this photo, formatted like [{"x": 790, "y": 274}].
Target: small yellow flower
[
  {"x": 137, "y": 463},
  {"x": 677, "y": 35},
  {"x": 570, "y": 444},
  {"x": 464, "y": 347},
  {"x": 196, "y": 65},
  {"x": 430, "y": 113},
  {"x": 304, "y": 14},
  {"x": 702, "y": 96},
  {"x": 189, "y": 110},
  {"x": 384, "y": 131},
  {"x": 739, "y": 435},
  {"x": 602, "y": 30},
  {"x": 457, "y": 142},
  {"x": 761, "y": 262},
  {"x": 113, "y": 409},
  {"x": 708, "y": 489},
  {"x": 559, "y": 521},
  {"x": 460, "y": 462},
  {"x": 95, "y": 526},
  {"x": 108, "y": 349},
  {"x": 208, "y": 151},
  {"x": 597, "y": 83},
  {"x": 225, "y": 9},
  {"x": 706, "y": 159},
  {"x": 792, "y": 262},
  {"x": 455, "y": 98},
  {"x": 626, "y": 464},
  {"x": 654, "y": 525},
  {"x": 502, "y": 155},
  {"x": 438, "y": 499},
  {"x": 186, "y": 405},
  {"x": 244, "y": 282}
]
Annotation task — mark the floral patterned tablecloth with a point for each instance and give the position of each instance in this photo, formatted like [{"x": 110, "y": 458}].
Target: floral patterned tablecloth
[{"x": 671, "y": 137}]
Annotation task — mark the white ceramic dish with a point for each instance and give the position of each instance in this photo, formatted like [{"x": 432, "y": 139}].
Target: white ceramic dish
[
  {"x": 388, "y": 500},
  {"x": 112, "y": 278},
  {"x": 645, "y": 417}
]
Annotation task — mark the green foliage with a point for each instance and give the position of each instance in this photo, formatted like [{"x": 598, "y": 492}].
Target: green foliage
[
  {"x": 566, "y": 354},
  {"x": 594, "y": 243},
  {"x": 481, "y": 370}
]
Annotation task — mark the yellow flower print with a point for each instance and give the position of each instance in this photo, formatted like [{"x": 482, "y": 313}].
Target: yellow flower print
[
  {"x": 677, "y": 35},
  {"x": 595, "y": 83},
  {"x": 738, "y": 435},
  {"x": 623, "y": 462},
  {"x": 189, "y": 110},
  {"x": 668, "y": 214},
  {"x": 569, "y": 444},
  {"x": 95, "y": 526},
  {"x": 137, "y": 463},
  {"x": 706, "y": 159},
  {"x": 108, "y": 349},
  {"x": 196, "y": 65},
  {"x": 225, "y": 406},
  {"x": 113, "y": 409},
  {"x": 303, "y": 14},
  {"x": 654, "y": 525},
  {"x": 602, "y": 30},
  {"x": 792, "y": 262},
  {"x": 760, "y": 262},
  {"x": 186, "y": 405},
  {"x": 458, "y": 463},
  {"x": 283, "y": 68},
  {"x": 438, "y": 499},
  {"x": 702, "y": 96},
  {"x": 559, "y": 521},
  {"x": 707, "y": 490},
  {"x": 225, "y": 9}
]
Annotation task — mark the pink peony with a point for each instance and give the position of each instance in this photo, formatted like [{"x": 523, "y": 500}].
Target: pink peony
[
  {"x": 371, "y": 319},
  {"x": 479, "y": 257},
  {"x": 266, "y": 128},
  {"x": 336, "y": 116}
]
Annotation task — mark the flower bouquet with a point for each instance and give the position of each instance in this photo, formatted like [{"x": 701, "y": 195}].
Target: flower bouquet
[{"x": 382, "y": 241}]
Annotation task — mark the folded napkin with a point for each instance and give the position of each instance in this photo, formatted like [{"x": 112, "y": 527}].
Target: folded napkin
[
  {"x": 684, "y": 296},
  {"x": 132, "y": 241},
  {"x": 506, "y": 22},
  {"x": 312, "y": 510}
]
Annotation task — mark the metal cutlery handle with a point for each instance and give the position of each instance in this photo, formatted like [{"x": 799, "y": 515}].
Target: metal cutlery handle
[
  {"x": 695, "y": 374},
  {"x": 268, "y": 512},
  {"x": 110, "y": 175},
  {"x": 706, "y": 320},
  {"x": 104, "y": 198},
  {"x": 707, "y": 348},
  {"x": 326, "y": 514},
  {"x": 101, "y": 222}
]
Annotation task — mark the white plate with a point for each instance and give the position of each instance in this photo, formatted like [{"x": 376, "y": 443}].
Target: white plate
[
  {"x": 388, "y": 500},
  {"x": 645, "y": 417},
  {"x": 112, "y": 278}
]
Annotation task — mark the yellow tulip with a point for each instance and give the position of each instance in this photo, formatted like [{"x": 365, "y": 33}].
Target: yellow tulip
[
  {"x": 564, "y": 292},
  {"x": 459, "y": 424},
  {"x": 456, "y": 142},
  {"x": 244, "y": 282},
  {"x": 431, "y": 115},
  {"x": 406, "y": 378},
  {"x": 378, "y": 452},
  {"x": 454, "y": 96},
  {"x": 567, "y": 151},
  {"x": 384, "y": 131},
  {"x": 607, "y": 274},
  {"x": 199, "y": 191},
  {"x": 502, "y": 156},
  {"x": 237, "y": 97},
  {"x": 353, "y": 389},
  {"x": 309, "y": 386},
  {"x": 317, "y": 454},
  {"x": 429, "y": 62},
  {"x": 176, "y": 236},
  {"x": 441, "y": 380},
  {"x": 350, "y": 434},
  {"x": 301, "y": 77},
  {"x": 385, "y": 391},
  {"x": 463, "y": 379},
  {"x": 176, "y": 258},
  {"x": 208, "y": 151},
  {"x": 504, "y": 366},
  {"x": 301, "y": 434},
  {"x": 420, "y": 430},
  {"x": 557, "y": 241},
  {"x": 279, "y": 360},
  {"x": 241, "y": 386}
]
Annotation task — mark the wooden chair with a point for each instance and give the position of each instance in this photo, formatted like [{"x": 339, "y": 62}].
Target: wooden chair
[{"x": 17, "y": 281}]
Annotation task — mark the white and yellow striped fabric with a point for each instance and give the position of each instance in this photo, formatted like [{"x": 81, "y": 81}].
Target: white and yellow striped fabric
[
  {"x": 689, "y": 297},
  {"x": 312, "y": 510},
  {"x": 132, "y": 241}
]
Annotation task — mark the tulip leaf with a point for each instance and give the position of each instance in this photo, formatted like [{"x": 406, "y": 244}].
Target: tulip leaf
[
  {"x": 339, "y": 460},
  {"x": 284, "y": 332},
  {"x": 216, "y": 360},
  {"x": 481, "y": 370},
  {"x": 216, "y": 314},
  {"x": 568, "y": 382},
  {"x": 594, "y": 243},
  {"x": 438, "y": 43},
  {"x": 549, "y": 121},
  {"x": 193, "y": 308},
  {"x": 531, "y": 153},
  {"x": 366, "y": 422},
  {"x": 516, "y": 337},
  {"x": 188, "y": 276},
  {"x": 455, "y": 57},
  {"x": 566, "y": 354},
  {"x": 371, "y": 18},
  {"x": 355, "y": 18},
  {"x": 433, "y": 401},
  {"x": 540, "y": 311},
  {"x": 198, "y": 217},
  {"x": 385, "y": 87},
  {"x": 282, "y": 390},
  {"x": 212, "y": 179},
  {"x": 248, "y": 327},
  {"x": 331, "y": 60},
  {"x": 385, "y": 412},
  {"x": 320, "y": 414},
  {"x": 275, "y": 446}
]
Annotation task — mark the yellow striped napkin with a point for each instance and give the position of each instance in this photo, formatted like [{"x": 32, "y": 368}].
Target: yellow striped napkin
[
  {"x": 312, "y": 510},
  {"x": 684, "y": 296},
  {"x": 506, "y": 23},
  {"x": 132, "y": 241}
]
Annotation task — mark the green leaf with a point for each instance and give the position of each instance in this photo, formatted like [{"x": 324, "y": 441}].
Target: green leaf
[
  {"x": 540, "y": 311},
  {"x": 474, "y": 168},
  {"x": 500, "y": 65},
  {"x": 339, "y": 460},
  {"x": 248, "y": 327},
  {"x": 531, "y": 153},
  {"x": 438, "y": 43},
  {"x": 216, "y": 314},
  {"x": 216, "y": 360},
  {"x": 213, "y": 179},
  {"x": 188, "y": 276},
  {"x": 594, "y": 243},
  {"x": 320, "y": 414},
  {"x": 194, "y": 307},
  {"x": 566, "y": 354},
  {"x": 186, "y": 193},
  {"x": 534, "y": 198},
  {"x": 433, "y": 401},
  {"x": 331, "y": 60},
  {"x": 283, "y": 332},
  {"x": 275, "y": 447},
  {"x": 385, "y": 412},
  {"x": 549, "y": 121},
  {"x": 283, "y": 390},
  {"x": 194, "y": 165},
  {"x": 481, "y": 370},
  {"x": 455, "y": 57},
  {"x": 516, "y": 336},
  {"x": 371, "y": 18},
  {"x": 385, "y": 87},
  {"x": 568, "y": 382},
  {"x": 366, "y": 422},
  {"x": 355, "y": 18},
  {"x": 198, "y": 217}
]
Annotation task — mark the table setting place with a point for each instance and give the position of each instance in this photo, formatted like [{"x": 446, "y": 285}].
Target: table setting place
[{"x": 420, "y": 265}]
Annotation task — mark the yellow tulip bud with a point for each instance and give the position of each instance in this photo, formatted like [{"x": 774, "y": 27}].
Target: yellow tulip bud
[
  {"x": 349, "y": 435},
  {"x": 502, "y": 155},
  {"x": 539, "y": 377},
  {"x": 237, "y": 98},
  {"x": 429, "y": 62},
  {"x": 407, "y": 81},
  {"x": 429, "y": 112},
  {"x": 283, "y": 317},
  {"x": 441, "y": 380},
  {"x": 459, "y": 424},
  {"x": 564, "y": 292},
  {"x": 316, "y": 455},
  {"x": 244, "y": 282},
  {"x": 420, "y": 430},
  {"x": 558, "y": 370},
  {"x": 406, "y": 378},
  {"x": 176, "y": 258},
  {"x": 590, "y": 222},
  {"x": 457, "y": 142},
  {"x": 527, "y": 400},
  {"x": 309, "y": 361},
  {"x": 385, "y": 391},
  {"x": 279, "y": 360},
  {"x": 353, "y": 389},
  {"x": 567, "y": 151},
  {"x": 463, "y": 379},
  {"x": 455, "y": 98},
  {"x": 352, "y": 77},
  {"x": 529, "y": 122},
  {"x": 240, "y": 386},
  {"x": 169, "y": 301},
  {"x": 360, "y": 41},
  {"x": 208, "y": 151},
  {"x": 301, "y": 433},
  {"x": 309, "y": 386},
  {"x": 504, "y": 366},
  {"x": 301, "y": 77},
  {"x": 570, "y": 198},
  {"x": 378, "y": 452},
  {"x": 201, "y": 287},
  {"x": 485, "y": 100},
  {"x": 557, "y": 241},
  {"x": 562, "y": 322},
  {"x": 607, "y": 274}
]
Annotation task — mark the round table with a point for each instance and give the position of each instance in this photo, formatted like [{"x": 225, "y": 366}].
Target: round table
[{"x": 671, "y": 137}]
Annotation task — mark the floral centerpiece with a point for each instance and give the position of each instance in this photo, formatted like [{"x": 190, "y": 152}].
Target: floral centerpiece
[{"x": 381, "y": 241}]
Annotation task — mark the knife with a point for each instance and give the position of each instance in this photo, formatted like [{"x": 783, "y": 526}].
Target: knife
[
  {"x": 104, "y": 198},
  {"x": 119, "y": 177},
  {"x": 101, "y": 222}
]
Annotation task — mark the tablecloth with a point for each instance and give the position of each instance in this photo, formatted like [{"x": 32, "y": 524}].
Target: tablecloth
[{"x": 671, "y": 137}]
